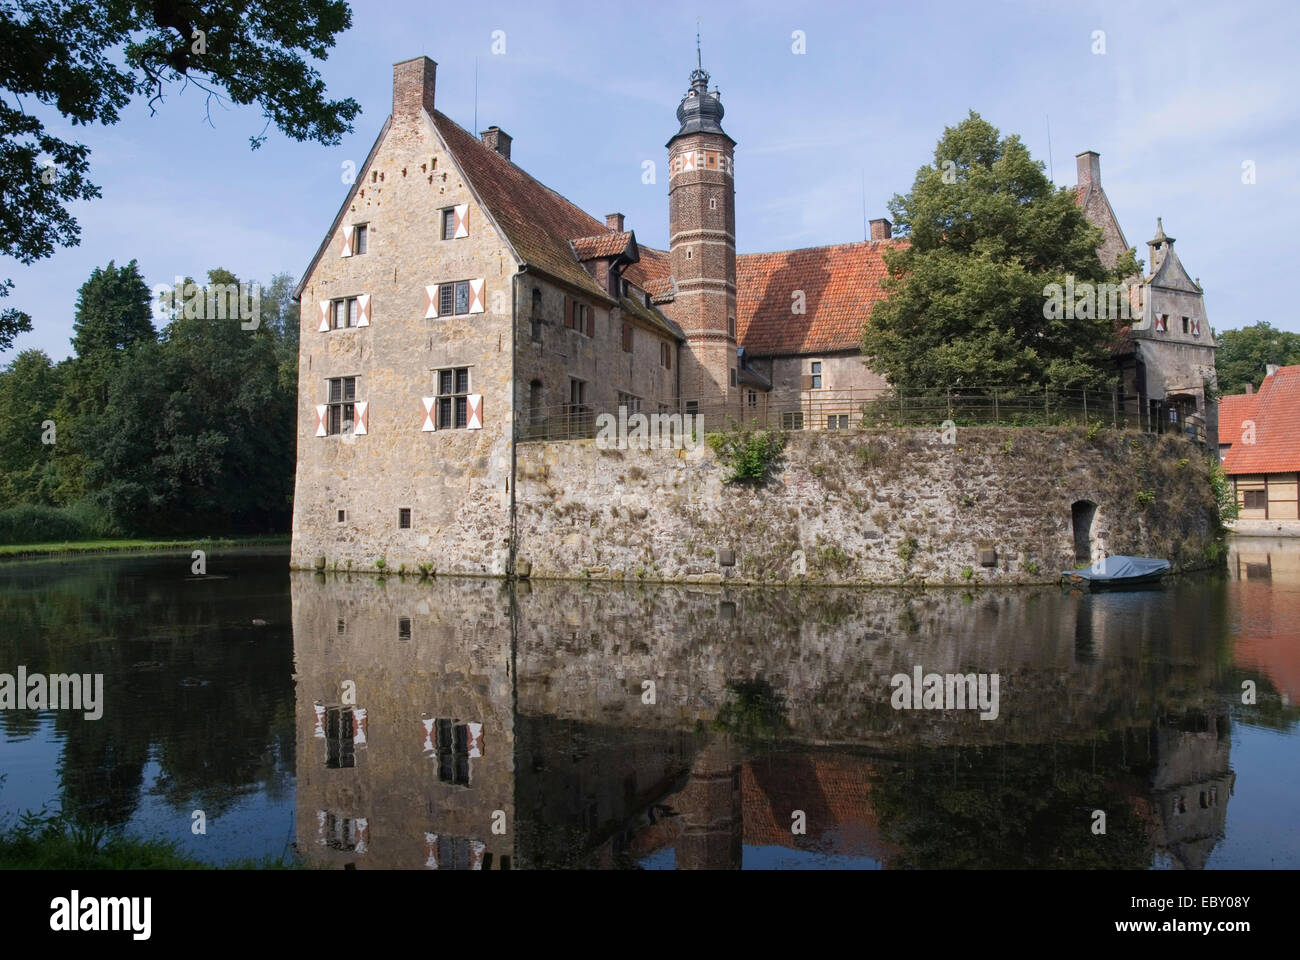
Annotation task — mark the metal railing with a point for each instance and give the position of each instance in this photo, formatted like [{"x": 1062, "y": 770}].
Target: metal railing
[{"x": 873, "y": 409}]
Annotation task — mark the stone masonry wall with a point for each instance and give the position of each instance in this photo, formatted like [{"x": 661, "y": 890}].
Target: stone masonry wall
[{"x": 869, "y": 507}]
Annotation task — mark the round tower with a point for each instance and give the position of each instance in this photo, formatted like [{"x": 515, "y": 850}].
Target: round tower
[{"x": 702, "y": 244}]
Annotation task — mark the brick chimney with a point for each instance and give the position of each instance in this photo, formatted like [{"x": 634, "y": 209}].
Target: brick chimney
[
  {"x": 1271, "y": 368},
  {"x": 1250, "y": 389},
  {"x": 1088, "y": 166},
  {"x": 496, "y": 140},
  {"x": 881, "y": 229},
  {"x": 614, "y": 221},
  {"x": 413, "y": 88}
]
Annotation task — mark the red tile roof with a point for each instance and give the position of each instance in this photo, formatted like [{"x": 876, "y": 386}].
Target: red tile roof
[
  {"x": 1275, "y": 410},
  {"x": 609, "y": 244},
  {"x": 840, "y": 283}
]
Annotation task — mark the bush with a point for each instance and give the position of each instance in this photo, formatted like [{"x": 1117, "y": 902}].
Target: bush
[
  {"x": 27, "y": 523},
  {"x": 751, "y": 453}
]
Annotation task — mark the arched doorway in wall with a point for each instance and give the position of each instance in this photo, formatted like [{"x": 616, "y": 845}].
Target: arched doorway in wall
[{"x": 1083, "y": 519}]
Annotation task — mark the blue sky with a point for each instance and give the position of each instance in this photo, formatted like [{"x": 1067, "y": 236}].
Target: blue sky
[{"x": 1184, "y": 94}]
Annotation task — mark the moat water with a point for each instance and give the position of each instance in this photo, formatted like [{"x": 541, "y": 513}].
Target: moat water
[{"x": 400, "y": 723}]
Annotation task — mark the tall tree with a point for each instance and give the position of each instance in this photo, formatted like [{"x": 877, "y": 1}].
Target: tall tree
[
  {"x": 29, "y": 395},
  {"x": 987, "y": 233},
  {"x": 89, "y": 58},
  {"x": 113, "y": 309},
  {"x": 1245, "y": 354}
]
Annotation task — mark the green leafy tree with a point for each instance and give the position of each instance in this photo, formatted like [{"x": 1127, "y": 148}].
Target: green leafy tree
[
  {"x": 987, "y": 233},
  {"x": 113, "y": 310},
  {"x": 1244, "y": 354},
  {"x": 29, "y": 393},
  {"x": 88, "y": 59}
]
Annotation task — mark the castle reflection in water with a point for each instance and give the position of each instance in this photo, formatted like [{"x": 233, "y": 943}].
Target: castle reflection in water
[{"x": 470, "y": 724}]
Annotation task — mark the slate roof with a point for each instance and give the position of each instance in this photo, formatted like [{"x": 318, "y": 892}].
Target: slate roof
[
  {"x": 1275, "y": 408},
  {"x": 841, "y": 284}
]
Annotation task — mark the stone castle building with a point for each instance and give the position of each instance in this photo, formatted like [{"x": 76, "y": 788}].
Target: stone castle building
[{"x": 457, "y": 305}]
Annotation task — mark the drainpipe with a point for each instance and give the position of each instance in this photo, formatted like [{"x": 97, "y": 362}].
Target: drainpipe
[{"x": 514, "y": 420}]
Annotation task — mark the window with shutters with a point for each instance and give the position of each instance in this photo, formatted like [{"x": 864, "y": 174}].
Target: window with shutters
[
  {"x": 449, "y": 223},
  {"x": 341, "y": 833},
  {"x": 453, "y": 393},
  {"x": 344, "y": 312},
  {"x": 342, "y": 400},
  {"x": 359, "y": 238},
  {"x": 1185, "y": 330},
  {"x": 404, "y": 518}
]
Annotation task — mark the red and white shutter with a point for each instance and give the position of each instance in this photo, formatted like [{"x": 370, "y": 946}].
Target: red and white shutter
[
  {"x": 476, "y": 850},
  {"x": 476, "y": 296},
  {"x": 474, "y": 411},
  {"x": 462, "y": 221},
  {"x": 360, "y": 421},
  {"x": 475, "y": 738},
  {"x": 324, "y": 316},
  {"x": 346, "y": 247},
  {"x": 431, "y": 851},
  {"x": 1160, "y": 323},
  {"x": 321, "y": 411},
  {"x": 363, "y": 834},
  {"x": 359, "y": 727},
  {"x": 429, "y": 425},
  {"x": 428, "y": 742},
  {"x": 320, "y": 721},
  {"x": 430, "y": 301},
  {"x": 363, "y": 310},
  {"x": 1196, "y": 327}
]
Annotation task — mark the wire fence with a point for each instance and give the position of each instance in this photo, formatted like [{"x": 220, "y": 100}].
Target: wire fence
[{"x": 874, "y": 409}]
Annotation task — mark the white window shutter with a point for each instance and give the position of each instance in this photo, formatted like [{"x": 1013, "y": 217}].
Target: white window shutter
[
  {"x": 476, "y": 850},
  {"x": 430, "y": 741},
  {"x": 475, "y": 738},
  {"x": 320, "y": 721},
  {"x": 359, "y": 731},
  {"x": 430, "y": 301},
  {"x": 462, "y": 221},
  {"x": 324, "y": 316},
  {"x": 360, "y": 418},
  {"x": 363, "y": 310},
  {"x": 429, "y": 425},
  {"x": 430, "y": 851},
  {"x": 321, "y": 411},
  {"x": 346, "y": 250},
  {"x": 474, "y": 411},
  {"x": 476, "y": 296}
]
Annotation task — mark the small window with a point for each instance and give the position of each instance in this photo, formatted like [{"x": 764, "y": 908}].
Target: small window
[
  {"x": 404, "y": 518},
  {"x": 359, "y": 238},
  {"x": 1255, "y": 499},
  {"x": 731, "y": 327},
  {"x": 577, "y": 393},
  {"x": 403, "y": 628},
  {"x": 343, "y": 515},
  {"x": 816, "y": 375},
  {"x": 837, "y": 421},
  {"x": 713, "y": 203},
  {"x": 632, "y": 403},
  {"x": 1185, "y": 329},
  {"x": 733, "y": 376},
  {"x": 449, "y": 223},
  {"x": 792, "y": 420},
  {"x": 690, "y": 253},
  {"x": 452, "y": 744},
  {"x": 341, "y": 626},
  {"x": 453, "y": 394},
  {"x": 342, "y": 399},
  {"x": 692, "y": 407},
  {"x": 665, "y": 355},
  {"x": 752, "y": 399}
]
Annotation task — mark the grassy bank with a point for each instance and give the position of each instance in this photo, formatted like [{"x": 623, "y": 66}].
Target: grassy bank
[
  {"x": 45, "y": 841},
  {"x": 17, "y": 551}
]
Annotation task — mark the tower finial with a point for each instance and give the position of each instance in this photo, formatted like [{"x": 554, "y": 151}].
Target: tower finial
[{"x": 699, "y": 60}]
